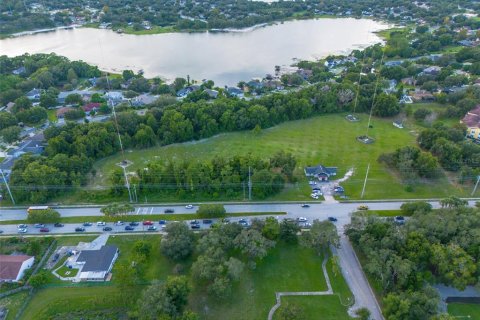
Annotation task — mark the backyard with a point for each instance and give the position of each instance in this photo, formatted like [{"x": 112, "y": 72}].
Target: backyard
[
  {"x": 286, "y": 268},
  {"x": 464, "y": 310}
]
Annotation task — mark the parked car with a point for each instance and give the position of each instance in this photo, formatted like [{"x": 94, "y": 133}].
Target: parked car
[
  {"x": 79, "y": 229},
  {"x": 189, "y": 206},
  {"x": 129, "y": 228},
  {"x": 304, "y": 205},
  {"x": 55, "y": 257},
  {"x": 87, "y": 224},
  {"x": 101, "y": 224},
  {"x": 119, "y": 223},
  {"x": 22, "y": 226},
  {"x": 39, "y": 225},
  {"x": 332, "y": 219},
  {"x": 22, "y": 230},
  {"x": 107, "y": 229},
  {"x": 207, "y": 221},
  {"x": 314, "y": 196},
  {"x": 362, "y": 207},
  {"x": 152, "y": 228},
  {"x": 58, "y": 225},
  {"x": 133, "y": 224},
  {"x": 169, "y": 211},
  {"x": 399, "y": 219},
  {"x": 302, "y": 219},
  {"x": 44, "y": 229},
  {"x": 147, "y": 223}
]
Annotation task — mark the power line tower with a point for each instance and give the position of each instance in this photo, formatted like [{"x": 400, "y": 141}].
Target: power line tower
[
  {"x": 8, "y": 187},
  {"x": 365, "y": 182},
  {"x": 249, "y": 184}
]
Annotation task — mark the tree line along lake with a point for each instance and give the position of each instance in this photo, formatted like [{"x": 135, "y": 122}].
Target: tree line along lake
[{"x": 224, "y": 57}]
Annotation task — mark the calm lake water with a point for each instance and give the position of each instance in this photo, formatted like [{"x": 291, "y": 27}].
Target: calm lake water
[{"x": 225, "y": 58}]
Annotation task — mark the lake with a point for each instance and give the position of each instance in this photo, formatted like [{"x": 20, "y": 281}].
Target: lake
[{"x": 224, "y": 57}]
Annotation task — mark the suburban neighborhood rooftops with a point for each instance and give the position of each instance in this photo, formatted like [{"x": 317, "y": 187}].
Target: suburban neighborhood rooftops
[
  {"x": 10, "y": 266},
  {"x": 472, "y": 118},
  {"x": 97, "y": 260}
]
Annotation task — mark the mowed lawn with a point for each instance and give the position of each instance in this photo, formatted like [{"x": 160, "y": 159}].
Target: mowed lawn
[
  {"x": 286, "y": 268},
  {"x": 329, "y": 140},
  {"x": 464, "y": 310}
]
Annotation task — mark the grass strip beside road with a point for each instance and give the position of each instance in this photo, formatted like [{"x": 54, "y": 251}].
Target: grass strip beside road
[
  {"x": 144, "y": 217},
  {"x": 386, "y": 213}
]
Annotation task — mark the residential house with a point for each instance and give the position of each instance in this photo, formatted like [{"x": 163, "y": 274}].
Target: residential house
[
  {"x": 182, "y": 93},
  {"x": 211, "y": 93},
  {"x": 468, "y": 43},
  {"x": 304, "y": 73},
  {"x": 255, "y": 85},
  {"x": 19, "y": 71},
  {"x": 96, "y": 265},
  {"x": 85, "y": 94},
  {"x": 472, "y": 121},
  {"x": 61, "y": 112},
  {"x": 34, "y": 94},
  {"x": 13, "y": 267},
  {"x": 393, "y": 63},
  {"x": 406, "y": 99},
  {"x": 234, "y": 92},
  {"x": 422, "y": 95},
  {"x": 392, "y": 84},
  {"x": 409, "y": 81},
  {"x": 320, "y": 172},
  {"x": 92, "y": 106},
  {"x": 10, "y": 106},
  {"x": 143, "y": 99},
  {"x": 432, "y": 71},
  {"x": 114, "y": 97}
]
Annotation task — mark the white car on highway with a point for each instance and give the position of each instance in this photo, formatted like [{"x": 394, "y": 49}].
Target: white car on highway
[
  {"x": 101, "y": 224},
  {"x": 22, "y": 230},
  {"x": 189, "y": 206}
]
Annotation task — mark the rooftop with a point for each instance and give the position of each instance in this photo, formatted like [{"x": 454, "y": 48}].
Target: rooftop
[
  {"x": 10, "y": 266},
  {"x": 97, "y": 260}
]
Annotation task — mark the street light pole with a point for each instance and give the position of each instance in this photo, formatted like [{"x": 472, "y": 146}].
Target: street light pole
[{"x": 8, "y": 187}]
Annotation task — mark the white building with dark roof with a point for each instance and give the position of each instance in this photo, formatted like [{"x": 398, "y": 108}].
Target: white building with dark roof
[{"x": 96, "y": 265}]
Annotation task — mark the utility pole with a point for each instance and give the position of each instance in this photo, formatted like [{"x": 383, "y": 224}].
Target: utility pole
[
  {"x": 8, "y": 187},
  {"x": 365, "y": 182},
  {"x": 476, "y": 185},
  {"x": 127, "y": 184},
  {"x": 243, "y": 190},
  {"x": 249, "y": 184}
]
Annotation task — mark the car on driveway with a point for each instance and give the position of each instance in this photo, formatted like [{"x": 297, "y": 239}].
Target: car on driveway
[
  {"x": 169, "y": 211},
  {"x": 332, "y": 219},
  {"x": 129, "y": 228},
  {"x": 304, "y": 205},
  {"x": 362, "y": 207},
  {"x": 302, "y": 219},
  {"x": 314, "y": 196},
  {"x": 152, "y": 228},
  {"x": 44, "y": 229},
  {"x": 189, "y": 206},
  {"x": 133, "y": 224},
  {"x": 39, "y": 225},
  {"x": 22, "y": 230},
  {"x": 79, "y": 229},
  {"x": 87, "y": 224},
  {"x": 107, "y": 229},
  {"x": 58, "y": 225},
  {"x": 147, "y": 223}
]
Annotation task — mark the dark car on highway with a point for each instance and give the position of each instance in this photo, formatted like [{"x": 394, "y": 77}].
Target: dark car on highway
[
  {"x": 333, "y": 219},
  {"x": 87, "y": 224},
  {"x": 147, "y": 223},
  {"x": 305, "y": 205},
  {"x": 133, "y": 224},
  {"x": 44, "y": 229},
  {"x": 79, "y": 229},
  {"x": 207, "y": 221},
  {"x": 162, "y": 222},
  {"x": 129, "y": 228},
  {"x": 107, "y": 229},
  {"x": 152, "y": 228},
  {"x": 169, "y": 211},
  {"x": 195, "y": 226},
  {"x": 58, "y": 225}
]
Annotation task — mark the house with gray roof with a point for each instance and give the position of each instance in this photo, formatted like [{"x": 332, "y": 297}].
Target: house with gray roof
[
  {"x": 320, "y": 172},
  {"x": 96, "y": 265}
]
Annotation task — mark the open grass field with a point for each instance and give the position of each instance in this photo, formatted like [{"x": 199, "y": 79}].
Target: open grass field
[
  {"x": 286, "y": 268},
  {"x": 66, "y": 272},
  {"x": 13, "y": 303},
  {"x": 329, "y": 140},
  {"x": 464, "y": 310}
]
